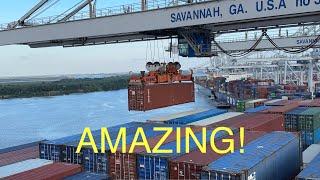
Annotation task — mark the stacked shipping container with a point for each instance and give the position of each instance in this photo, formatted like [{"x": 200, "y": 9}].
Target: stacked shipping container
[
  {"x": 19, "y": 153},
  {"x": 119, "y": 163},
  {"x": 254, "y": 122},
  {"x": 51, "y": 171},
  {"x": 196, "y": 117},
  {"x": 189, "y": 166},
  {"x": 273, "y": 156},
  {"x": 163, "y": 119},
  {"x": 307, "y": 122},
  {"x": 156, "y": 166}
]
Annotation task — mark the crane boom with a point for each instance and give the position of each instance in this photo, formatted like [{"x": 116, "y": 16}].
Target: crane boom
[{"x": 29, "y": 13}]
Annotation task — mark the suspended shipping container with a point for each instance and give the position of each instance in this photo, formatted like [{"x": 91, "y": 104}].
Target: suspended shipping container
[
  {"x": 272, "y": 156},
  {"x": 144, "y": 97},
  {"x": 215, "y": 119}
]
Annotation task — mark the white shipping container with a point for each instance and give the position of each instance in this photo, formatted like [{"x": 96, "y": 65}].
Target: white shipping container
[
  {"x": 216, "y": 119},
  {"x": 309, "y": 154},
  {"x": 22, "y": 166},
  {"x": 177, "y": 115},
  {"x": 272, "y": 101},
  {"x": 250, "y": 104}
]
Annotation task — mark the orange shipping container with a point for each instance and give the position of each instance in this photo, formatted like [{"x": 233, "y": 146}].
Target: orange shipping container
[{"x": 144, "y": 97}]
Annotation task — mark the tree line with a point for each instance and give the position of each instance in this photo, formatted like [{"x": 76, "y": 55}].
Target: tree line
[{"x": 62, "y": 87}]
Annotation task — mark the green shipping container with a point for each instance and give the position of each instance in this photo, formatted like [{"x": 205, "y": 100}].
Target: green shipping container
[
  {"x": 309, "y": 119},
  {"x": 241, "y": 106}
]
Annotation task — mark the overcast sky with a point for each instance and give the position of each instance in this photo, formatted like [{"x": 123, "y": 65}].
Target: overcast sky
[{"x": 24, "y": 61}]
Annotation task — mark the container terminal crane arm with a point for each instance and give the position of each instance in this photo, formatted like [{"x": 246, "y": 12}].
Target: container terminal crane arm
[{"x": 191, "y": 22}]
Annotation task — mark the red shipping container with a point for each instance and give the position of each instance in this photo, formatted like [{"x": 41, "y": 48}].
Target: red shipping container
[
  {"x": 254, "y": 122},
  {"x": 189, "y": 166},
  {"x": 55, "y": 171},
  {"x": 310, "y": 103},
  {"x": 18, "y": 155},
  {"x": 152, "y": 96},
  {"x": 124, "y": 165},
  {"x": 283, "y": 109}
]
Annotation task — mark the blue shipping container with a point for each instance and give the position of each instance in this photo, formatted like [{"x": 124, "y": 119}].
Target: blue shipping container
[
  {"x": 54, "y": 150},
  {"x": 155, "y": 166},
  {"x": 312, "y": 171},
  {"x": 98, "y": 163},
  {"x": 196, "y": 117},
  {"x": 309, "y": 137},
  {"x": 257, "y": 109},
  {"x": 273, "y": 156}
]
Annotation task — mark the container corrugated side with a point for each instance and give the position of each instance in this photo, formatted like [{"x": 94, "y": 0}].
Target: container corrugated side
[
  {"x": 56, "y": 150},
  {"x": 153, "y": 96},
  {"x": 23, "y": 166},
  {"x": 19, "y": 153},
  {"x": 215, "y": 119},
  {"x": 174, "y": 116},
  {"x": 99, "y": 162},
  {"x": 190, "y": 165},
  {"x": 312, "y": 171},
  {"x": 196, "y": 117},
  {"x": 292, "y": 118},
  {"x": 310, "y": 119},
  {"x": 123, "y": 165},
  {"x": 156, "y": 166},
  {"x": 310, "y": 153},
  {"x": 52, "y": 171},
  {"x": 272, "y": 156}
]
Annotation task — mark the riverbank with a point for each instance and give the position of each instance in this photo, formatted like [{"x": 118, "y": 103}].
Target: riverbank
[{"x": 62, "y": 87}]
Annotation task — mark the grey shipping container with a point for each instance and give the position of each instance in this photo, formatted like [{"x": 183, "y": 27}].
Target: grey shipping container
[{"x": 273, "y": 156}]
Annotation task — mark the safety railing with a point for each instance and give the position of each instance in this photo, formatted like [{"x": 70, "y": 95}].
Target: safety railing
[{"x": 110, "y": 11}]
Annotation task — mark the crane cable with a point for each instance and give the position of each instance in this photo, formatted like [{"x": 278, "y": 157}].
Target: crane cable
[
  {"x": 264, "y": 33},
  {"x": 296, "y": 51},
  {"x": 241, "y": 54}
]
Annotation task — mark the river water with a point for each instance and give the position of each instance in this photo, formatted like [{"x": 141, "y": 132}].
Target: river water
[{"x": 32, "y": 119}]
